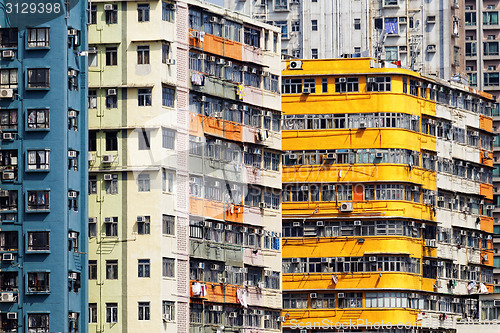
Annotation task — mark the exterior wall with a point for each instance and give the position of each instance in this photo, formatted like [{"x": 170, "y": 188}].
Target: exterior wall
[
  {"x": 445, "y": 215},
  {"x": 130, "y": 160},
  {"x": 23, "y": 296}
]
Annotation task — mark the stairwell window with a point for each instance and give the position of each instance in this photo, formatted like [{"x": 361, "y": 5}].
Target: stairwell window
[
  {"x": 143, "y": 311},
  {"x": 92, "y": 313},
  {"x": 143, "y": 54},
  {"x": 391, "y": 53},
  {"x": 143, "y": 12},
  {"x": 314, "y": 25},
  {"x": 38, "y": 159},
  {"x": 144, "y": 137},
  {"x": 92, "y": 269},
  {"x": 111, "y": 56},
  {"x": 143, "y": 183},
  {"x": 111, "y": 269},
  {"x": 168, "y": 12},
  {"x": 111, "y": 226},
  {"x": 38, "y": 200},
  {"x": 38, "y": 37},
  {"x": 38, "y": 282},
  {"x": 168, "y": 224},
  {"x": 38, "y": 241},
  {"x": 143, "y": 268},
  {"x": 168, "y": 96},
  {"x": 351, "y": 300},
  {"x": 38, "y": 78},
  {"x": 111, "y": 312},
  {"x": 168, "y": 269}
]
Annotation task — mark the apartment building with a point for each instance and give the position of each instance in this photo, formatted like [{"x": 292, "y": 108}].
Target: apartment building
[
  {"x": 387, "y": 197},
  {"x": 43, "y": 190},
  {"x": 184, "y": 164},
  {"x": 427, "y": 36}
]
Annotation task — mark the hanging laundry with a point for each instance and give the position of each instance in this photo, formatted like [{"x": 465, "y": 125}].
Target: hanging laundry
[
  {"x": 241, "y": 294},
  {"x": 202, "y": 36}
]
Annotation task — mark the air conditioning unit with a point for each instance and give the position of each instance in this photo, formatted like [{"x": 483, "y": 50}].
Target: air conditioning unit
[
  {"x": 267, "y": 317},
  {"x": 440, "y": 198},
  {"x": 295, "y": 64},
  {"x": 219, "y": 226},
  {"x": 141, "y": 218},
  {"x": 490, "y": 207},
  {"x": 296, "y": 224},
  {"x": 8, "y": 175},
  {"x": 72, "y": 153},
  {"x": 431, "y": 19},
  {"x": 92, "y": 219},
  {"x": 342, "y": 80},
  {"x": 108, "y": 7},
  {"x": 496, "y": 303},
  {"x": 8, "y": 256},
  {"x": 195, "y": 34},
  {"x": 220, "y": 61},
  {"x": 8, "y": 136},
  {"x": 108, "y": 220},
  {"x": 72, "y": 194},
  {"x": 107, "y": 158},
  {"x": 13, "y": 160},
  {"x": 330, "y": 156},
  {"x": 233, "y": 315},
  {"x": 170, "y": 61},
  {"x": 357, "y": 222},
  {"x": 6, "y": 93},
  {"x": 72, "y": 114},
  {"x": 244, "y": 68},
  {"x": 262, "y": 204},
  {"x": 295, "y": 260},
  {"x": 228, "y": 63},
  {"x": 7, "y": 297},
  {"x": 214, "y": 19},
  {"x": 108, "y": 176},
  {"x": 4, "y": 193},
  {"x": 345, "y": 207},
  {"x": 313, "y": 295},
  {"x": 306, "y": 90},
  {"x": 229, "y": 227},
  {"x": 217, "y": 114},
  {"x": 292, "y": 156},
  {"x": 72, "y": 72},
  {"x": 214, "y": 267},
  {"x": 362, "y": 124},
  {"x": 265, "y": 73},
  {"x": 320, "y": 223},
  {"x": 8, "y": 54},
  {"x": 379, "y": 155},
  {"x": 431, "y": 48},
  {"x": 253, "y": 70},
  {"x": 211, "y": 58},
  {"x": 304, "y": 188},
  {"x": 341, "y": 295},
  {"x": 372, "y": 259},
  {"x": 244, "y": 229}
]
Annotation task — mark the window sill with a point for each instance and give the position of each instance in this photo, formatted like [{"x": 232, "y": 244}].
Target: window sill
[
  {"x": 37, "y": 251},
  {"x": 34, "y": 292},
  {"x": 37, "y": 48},
  {"x": 38, "y": 170},
  {"x": 37, "y": 129},
  {"x": 38, "y": 89},
  {"x": 37, "y": 211}
]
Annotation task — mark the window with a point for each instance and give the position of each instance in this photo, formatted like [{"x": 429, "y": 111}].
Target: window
[
  {"x": 490, "y": 18},
  {"x": 38, "y": 200},
  {"x": 165, "y": 52},
  {"x": 391, "y": 53},
  {"x": 391, "y": 25},
  {"x": 111, "y": 312},
  {"x": 111, "y": 141},
  {"x": 291, "y": 86},
  {"x": 314, "y": 53},
  {"x": 111, "y": 269},
  {"x": 252, "y": 37},
  {"x": 470, "y": 18},
  {"x": 168, "y": 12},
  {"x": 111, "y": 99},
  {"x": 111, "y": 185},
  {"x": 295, "y": 301},
  {"x": 38, "y": 241},
  {"x": 168, "y": 180},
  {"x": 351, "y": 300},
  {"x": 38, "y": 159},
  {"x": 144, "y": 97},
  {"x": 168, "y": 267},
  {"x": 92, "y": 140},
  {"x": 143, "y": 266},
  {"x": 143, "y": 12},
  {"x": 309, "y": 86},
  {"x": 491, "y": 48},
  {"x": 38, "y": 282},
  {"x": 92, "y": 269},
  {"x": 111, "y": 226},
  {"x": 168, "y": 96},
  {"x": 471, "y": 49},
  {"x": 38, "y": 322},
  {"x": 390, "y": 2},
  {"x": 93, "y": 14},
  {"x": 378, "y": 83},
  {"x": 296, "y": 26},
  {"x": 144, "y": 137},
  {"x": 168, "y": 224},
  {"x": 314, "y": 25},
  {"x": 283, "y": 25},
  {"x": 143, "y": 54},
  {"x": 280, "y": 5},
  {"x": 168, "y": 138},
  {"x": 112, "y": 15},
  {"x": 350, "y": 84},
  {"x": 143, "y": 225},
  {"x": 143, "y": 183},
  {"x": 323, "y": 301},
  {"x": 143, "y": 311},
  {"x": 38, "y": 118},
  {"x": 92, "y": 313},
  {"x": 92, "y": 227},
  {"x": 8, "y": 37},
  {"x": 8, "y": 119},
  {"x": 8, "y": 78},
  {"x": 111, "y": 56},
  {"x": 38, "y": 78},
  {"x": 38, "y": 37},
  {"x": 491, "y": 79},
  {"x": 92, "y": 99},
  {"x": 168, "y": 310},
  {"x": 357, "y": 24}
]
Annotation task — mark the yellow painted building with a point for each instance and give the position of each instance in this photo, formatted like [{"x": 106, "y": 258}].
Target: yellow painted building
[{"x": 386, "y": 197}]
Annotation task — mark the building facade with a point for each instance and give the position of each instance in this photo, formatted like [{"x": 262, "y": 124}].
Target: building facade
[
  {"x": 43, "y": 190},
  {"x": 184, "y": 162},
  {"x": 427, "y": 36},
  {"x": 387, "y": 197}
]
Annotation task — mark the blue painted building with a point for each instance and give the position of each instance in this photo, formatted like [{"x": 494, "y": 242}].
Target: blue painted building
[{"x": 43, "y": 166}]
